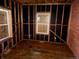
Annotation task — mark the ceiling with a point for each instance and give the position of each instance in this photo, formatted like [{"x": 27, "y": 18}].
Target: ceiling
[{"x": 43, "y": 1}]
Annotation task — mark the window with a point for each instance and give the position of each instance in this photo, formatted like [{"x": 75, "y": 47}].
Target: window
[
  {"x": 5, "y": 23},
  {"x": 42, "y": 23}
]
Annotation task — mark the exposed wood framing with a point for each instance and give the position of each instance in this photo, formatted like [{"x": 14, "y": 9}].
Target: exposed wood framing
[
  {"x": 35, "y": 21},
  {"x": 49, "y": 24},
  {"x": 50, "y": 4},
  {"x": 10, "y": 4},
  {"x": 56, "y": 22},
  {"x": 18, "y": 23},
  {"x": 29, "y": 22},
  {"x": 15, "y": 20},
  {"x": 45, "y": 1},
  {"x": 49, "y": 33},
  {"x": 8, "y": 40},
  {"x": 68, "y": 32},
  {"x": 21, "y": 22},
  {"x": 5, "y": 3},
  {"x": 62, "y": 22},
  {"x": 41, "y": 28},
  {"x": 45, "y": 12}
]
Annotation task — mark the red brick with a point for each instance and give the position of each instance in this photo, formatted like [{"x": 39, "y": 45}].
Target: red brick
[{"x": 73, "y": 40}]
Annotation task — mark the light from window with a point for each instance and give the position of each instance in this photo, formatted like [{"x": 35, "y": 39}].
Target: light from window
[
  {"x": 5, "y": 23},
  {"x": 42, "y": 23}
]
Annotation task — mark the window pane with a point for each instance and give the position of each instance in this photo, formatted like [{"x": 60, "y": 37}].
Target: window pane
[
  {"x": 43, "y": 23},
  {"x": 3, "y": 18},
  {"x": 3, "y": 31},
  {"x": 42, "y": 28},
  {"x": 43, "y": 18}
]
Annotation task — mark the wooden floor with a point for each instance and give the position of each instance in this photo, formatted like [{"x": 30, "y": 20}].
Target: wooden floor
[{"x": 39, "y": 50}]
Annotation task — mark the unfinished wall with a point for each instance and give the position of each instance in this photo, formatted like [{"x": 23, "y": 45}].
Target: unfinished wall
[
  {"x": 58, "y": 22},
  {"x": 15, "y": 8},
  {"x": 73, "y": 41}
]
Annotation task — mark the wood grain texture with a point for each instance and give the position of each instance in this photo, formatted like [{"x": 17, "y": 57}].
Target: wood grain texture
[{"x": 39, "y": 50}]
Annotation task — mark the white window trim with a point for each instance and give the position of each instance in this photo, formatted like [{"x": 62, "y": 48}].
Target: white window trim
[
  {"x": 43, "y": 13},
  {"x": 9, "y": 22},
  {"x": 3, "y": 24}
]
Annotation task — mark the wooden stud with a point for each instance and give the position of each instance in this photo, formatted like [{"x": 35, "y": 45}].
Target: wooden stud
[
  {"x": 5, "y": 3},
  {"x": 56, "y": 23},
  {"x": 7, "y": 40},
  {"x": 15, "y": 20},
  {"x": 21, "y": 21},
  {"x": 45, "y": 12},
  {"x": 49, "y": 33},
  {"x": 35, "y": 21},
  {"x": 49, "y": 24},
  {"x": 11, "y": 16},
  {"x": 18, "y": 23},
  {"x": 62, "y": 22},
  {"x": 29, "y": 21},
  {"x": 39, "y": 11},
  {"x": 68, "y": 32},
  {"x": 10, "y": 4}
]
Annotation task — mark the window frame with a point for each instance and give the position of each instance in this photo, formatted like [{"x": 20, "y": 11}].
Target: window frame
[
  {"x": 48, "y": 24},
  {"x": 8, "y": 22}
]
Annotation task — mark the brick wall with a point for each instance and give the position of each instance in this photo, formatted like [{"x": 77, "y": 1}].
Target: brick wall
[{"x": 73, "y": 39}]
